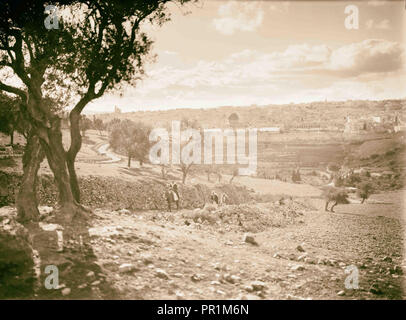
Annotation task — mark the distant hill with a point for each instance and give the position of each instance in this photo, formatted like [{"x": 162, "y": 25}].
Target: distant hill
[
  {"x": 331, "y": 115},
  {"x": 386, "y": 154}
]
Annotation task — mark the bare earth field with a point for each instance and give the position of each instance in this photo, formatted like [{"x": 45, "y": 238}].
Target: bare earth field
[{"x": 175, "y": 261}]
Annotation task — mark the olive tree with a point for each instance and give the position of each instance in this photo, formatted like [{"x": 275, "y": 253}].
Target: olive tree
[{"x": 97, "y": 46}]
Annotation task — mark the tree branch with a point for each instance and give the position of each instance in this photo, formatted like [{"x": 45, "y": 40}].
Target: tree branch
[{"x": 14, "y": 90}]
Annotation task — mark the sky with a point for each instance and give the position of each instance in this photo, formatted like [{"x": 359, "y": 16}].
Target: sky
[{"x": 240, "y": 53}]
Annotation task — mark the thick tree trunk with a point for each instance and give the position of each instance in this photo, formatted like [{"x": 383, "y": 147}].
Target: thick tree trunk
[
  {"x": 129, "y": 161},
  {"x": 362, "y": 201},
  {"x": 326, "y": 207},
  {"x": 27, "y": 205},
  {"x": 57, "y": 159},
  {"x": 73, "y": 179},
  {"x": 76, "y": 144}
]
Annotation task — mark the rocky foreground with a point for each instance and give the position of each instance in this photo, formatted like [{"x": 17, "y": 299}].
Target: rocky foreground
[{"x": 301, "y": 254}]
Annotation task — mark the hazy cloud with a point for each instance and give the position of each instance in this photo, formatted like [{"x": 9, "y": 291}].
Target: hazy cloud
[
  {"x": 238, "y": 16},
  {"x": 250, "y": 68},
  {"x": 358, "y": 70},
  {"x": 368, "y": 56}
]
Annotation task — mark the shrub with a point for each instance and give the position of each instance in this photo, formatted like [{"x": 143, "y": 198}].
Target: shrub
[{"x": 365, "y": 189}]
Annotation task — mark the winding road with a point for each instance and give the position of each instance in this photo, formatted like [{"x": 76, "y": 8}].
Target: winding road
[{"x": 103, "y": 150}]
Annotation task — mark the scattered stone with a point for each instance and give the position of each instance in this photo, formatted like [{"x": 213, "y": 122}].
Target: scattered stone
[
  {"x": 387, "y": 259},
  {"x": 161, "y": 274},
  {"x": 50, "y": 226},
  {"x": 65, "y": 291},
  {"x": 146, "y": 258},
  {"x": 341, "y": 293},
  {"x": 258, "y": 285},
  {"x": 231, "y": 278},
  {"x": 45, "y": 211},
  {"x": 250, "y": 239},
  {"x": 297, "y": 268},
  {"x": 375, "y": 289},
  {"x": 332, "y": 262},
  {"x": 220, "y": 292},
  {"x": 302, "y": 257},
  {"x": 248, "y": 288},
  {"x": 215, "y": 283},
  {"x": 309, "y": 260},
  {"x": 82, "y": 286},
  {"x": 124, "y": 211},
  {"x": 126, "y": 267},
  {"x": 96, "y": 283},
  {"x": 178, "y": 275},
  {"x": 300, "y": 248},
  {"x": 197, "y": 277},
  {"x": 396, "y": 270},
  {"x": 90, "y": 274}
]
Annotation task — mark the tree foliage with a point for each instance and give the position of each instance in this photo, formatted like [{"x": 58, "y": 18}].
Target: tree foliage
[
  {"x": 10, "y": 118},
  {"x": 132, "y": 138},
  {"x": 85, "y": 124},
  {"x": 365, "y": 189},
  {"x": 336, "y": 194},
  {"x": 98, "y": 125}
]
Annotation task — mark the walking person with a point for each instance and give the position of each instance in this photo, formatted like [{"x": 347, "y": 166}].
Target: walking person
[
  {"x": 214, "y": 198},
  {"x": 224, "y": 199}
]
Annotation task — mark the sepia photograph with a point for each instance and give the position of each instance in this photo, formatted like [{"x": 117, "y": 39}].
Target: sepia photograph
[{"x": 202, "y": 150}]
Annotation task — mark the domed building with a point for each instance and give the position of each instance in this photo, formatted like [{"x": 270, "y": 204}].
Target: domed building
[{"x": 234, "y": 120}]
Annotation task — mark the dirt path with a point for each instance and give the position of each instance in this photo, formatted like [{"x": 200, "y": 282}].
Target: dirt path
[{"x": 103, "y": 150}]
